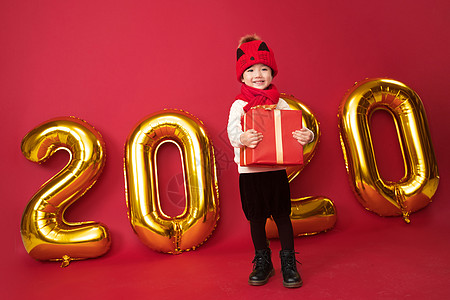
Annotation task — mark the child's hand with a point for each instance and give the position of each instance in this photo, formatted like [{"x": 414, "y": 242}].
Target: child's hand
[
  {"x": 303, "y": 136},
  {"x": 251, "y": 138}
]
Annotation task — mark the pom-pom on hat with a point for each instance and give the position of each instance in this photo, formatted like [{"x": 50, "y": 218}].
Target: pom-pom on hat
[{"x": 254, "y": 51}]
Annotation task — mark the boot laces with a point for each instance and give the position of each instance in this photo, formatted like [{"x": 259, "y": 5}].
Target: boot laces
[
  {"x": 260, "y": 261},
  {"x": 289, "y": 261}
]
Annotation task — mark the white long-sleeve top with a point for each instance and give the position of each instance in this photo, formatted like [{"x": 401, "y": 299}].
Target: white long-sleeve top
[{"x": 234, "y": 129}]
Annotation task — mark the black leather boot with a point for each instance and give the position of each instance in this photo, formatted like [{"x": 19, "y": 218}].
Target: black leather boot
[
  {"x": 291, "y": 278},
  {"x": 262, "y": 267}
]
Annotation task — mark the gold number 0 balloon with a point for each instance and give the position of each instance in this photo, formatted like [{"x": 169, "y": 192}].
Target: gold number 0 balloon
[
  {"x": 154, "y": 228},
  {"x": 45, "y": 233},
  {"x": 309, "y": 215},
  {"x": 415, "y": 189}
]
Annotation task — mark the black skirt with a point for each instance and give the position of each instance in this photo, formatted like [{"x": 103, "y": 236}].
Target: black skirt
[{"x": 265, "y": 194}]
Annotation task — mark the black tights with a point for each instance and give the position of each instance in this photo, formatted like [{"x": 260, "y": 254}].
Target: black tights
[{"x": 285, "y": 233}]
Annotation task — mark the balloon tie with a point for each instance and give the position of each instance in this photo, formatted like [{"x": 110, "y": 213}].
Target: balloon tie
[
  {"x": 66, "y": 259},
  {"x": 400, "y": 199},
  {"x": 178, "y": 236}
]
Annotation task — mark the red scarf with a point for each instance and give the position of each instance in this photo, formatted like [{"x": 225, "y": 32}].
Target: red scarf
[{"x": 256, "y": 97}]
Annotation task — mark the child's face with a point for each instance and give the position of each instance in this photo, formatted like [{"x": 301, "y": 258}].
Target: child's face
[{"x": 258, "y": 76}]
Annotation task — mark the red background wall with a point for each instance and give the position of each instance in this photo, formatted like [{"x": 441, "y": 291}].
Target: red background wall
[{"x": 113, "y": 62}]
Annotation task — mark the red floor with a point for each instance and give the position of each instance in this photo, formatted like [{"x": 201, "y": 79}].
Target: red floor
[{"x": 381, "y": 259}]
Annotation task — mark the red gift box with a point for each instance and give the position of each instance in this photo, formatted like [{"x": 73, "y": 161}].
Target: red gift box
[{"x": 278, "y": 146}]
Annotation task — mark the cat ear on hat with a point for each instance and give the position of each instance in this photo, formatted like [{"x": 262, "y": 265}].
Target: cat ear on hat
[
  {"x": 239, "y": 53},
  {"x": 263, "y": 47}
]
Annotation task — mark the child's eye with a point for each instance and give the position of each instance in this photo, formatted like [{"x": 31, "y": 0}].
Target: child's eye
[{"x": 249, "y": 70}]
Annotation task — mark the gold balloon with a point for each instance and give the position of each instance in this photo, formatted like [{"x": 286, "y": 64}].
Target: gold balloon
[
  {"x": 45, "y": 233},
  {"x": 314, "y": 214},
  {"x": 154, "y": 228},
  {"x": 308, "y": 121},
  {"x": 309, "y": 216},
  {"x": 421, "y": 178}
]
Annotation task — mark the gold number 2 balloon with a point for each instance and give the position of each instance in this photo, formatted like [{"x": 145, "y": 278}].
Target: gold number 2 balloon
[
  {"x": 154, "y": 228},
  {"x": 314, "y": 214},
  {"x": 45, "y": 233},
  {"x": 421, "y": 178}
]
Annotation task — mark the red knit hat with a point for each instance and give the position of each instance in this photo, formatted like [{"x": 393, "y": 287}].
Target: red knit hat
[{"x": 252, "y": 53}]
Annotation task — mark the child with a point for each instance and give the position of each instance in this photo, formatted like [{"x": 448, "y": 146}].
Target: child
[{"x": 264, "y": 190}]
